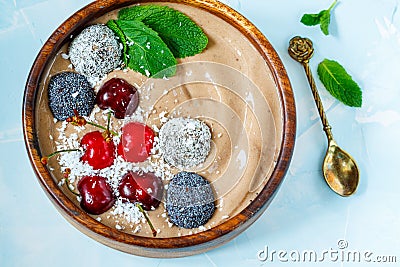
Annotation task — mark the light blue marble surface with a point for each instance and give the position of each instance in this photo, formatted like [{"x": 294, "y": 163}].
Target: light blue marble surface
[{"x": 305, "y": 215}]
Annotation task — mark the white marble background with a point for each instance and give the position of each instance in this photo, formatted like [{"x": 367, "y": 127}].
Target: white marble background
[{"x": 305, "y": 215}]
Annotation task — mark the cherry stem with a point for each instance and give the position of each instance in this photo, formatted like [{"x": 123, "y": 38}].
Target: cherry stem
[
  {"x": 46, "y": 158},
  {"x": 101, "y": 127},
  {"x": 81, "y": 121},
  {"x": 153, "y": 230},
  {"x": 62, "y": 151},
  {"x": 108, "y": 121},
  {"x": 68, "y": 182}
]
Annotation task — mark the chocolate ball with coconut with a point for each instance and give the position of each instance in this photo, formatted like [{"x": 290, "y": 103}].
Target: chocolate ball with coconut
[
  {"x": 184, "y": 142},
  {"x": 95, "y": 52}
]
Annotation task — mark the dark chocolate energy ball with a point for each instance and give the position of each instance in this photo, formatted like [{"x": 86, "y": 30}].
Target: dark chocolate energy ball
[
  {"x": 68, "y": 91},
  {"x": 190, "y": 200}
]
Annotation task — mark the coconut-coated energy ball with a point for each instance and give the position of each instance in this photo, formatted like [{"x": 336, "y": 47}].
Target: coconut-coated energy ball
[{"x": 95, "y": 51}]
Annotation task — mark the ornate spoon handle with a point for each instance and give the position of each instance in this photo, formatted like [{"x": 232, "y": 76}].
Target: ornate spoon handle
[{"x": 301, "y": 50}]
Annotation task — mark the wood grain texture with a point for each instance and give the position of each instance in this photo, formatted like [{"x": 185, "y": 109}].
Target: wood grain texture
[{"x": 146, "y": 246}]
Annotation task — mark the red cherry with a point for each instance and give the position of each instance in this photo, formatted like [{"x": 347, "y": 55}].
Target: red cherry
[
  {"x": 96, "y": 193},
  {"x": 136, "y": 142},
  {"x": 145, "y": 188},
  {"x": 117, "y": 94},
  {"x": 99, "y": 151}
]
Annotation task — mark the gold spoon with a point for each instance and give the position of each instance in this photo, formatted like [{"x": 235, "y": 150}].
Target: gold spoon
[{"x": 339, "y": 168}]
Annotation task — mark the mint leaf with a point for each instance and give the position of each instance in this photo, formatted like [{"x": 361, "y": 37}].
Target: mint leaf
[
  {"x": 182, "y": 35},
  {"x": 310, "y": 19},
  {"x": 144, "y": 51},
  {"x": 114, "y": 27},
  {"x": 339, "y": 83},
  {"x": 323, "y": 19}
]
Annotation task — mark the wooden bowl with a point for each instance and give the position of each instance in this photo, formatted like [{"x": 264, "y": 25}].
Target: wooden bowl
[{"x": 239, "y": 47}]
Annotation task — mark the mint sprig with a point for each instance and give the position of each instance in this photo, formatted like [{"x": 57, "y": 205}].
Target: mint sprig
[
  {"x": 333, "y": 75},
  {"x": 144, "y": 51},
  {"x": 154, "y": 36},
  {"x": 182, "y": 35},
  {"x": 322, "y": 19},
  {"x": 339, "y": 83}
]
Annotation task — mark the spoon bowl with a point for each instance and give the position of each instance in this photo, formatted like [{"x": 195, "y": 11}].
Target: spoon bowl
[{"x": 340, "y": 170}]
